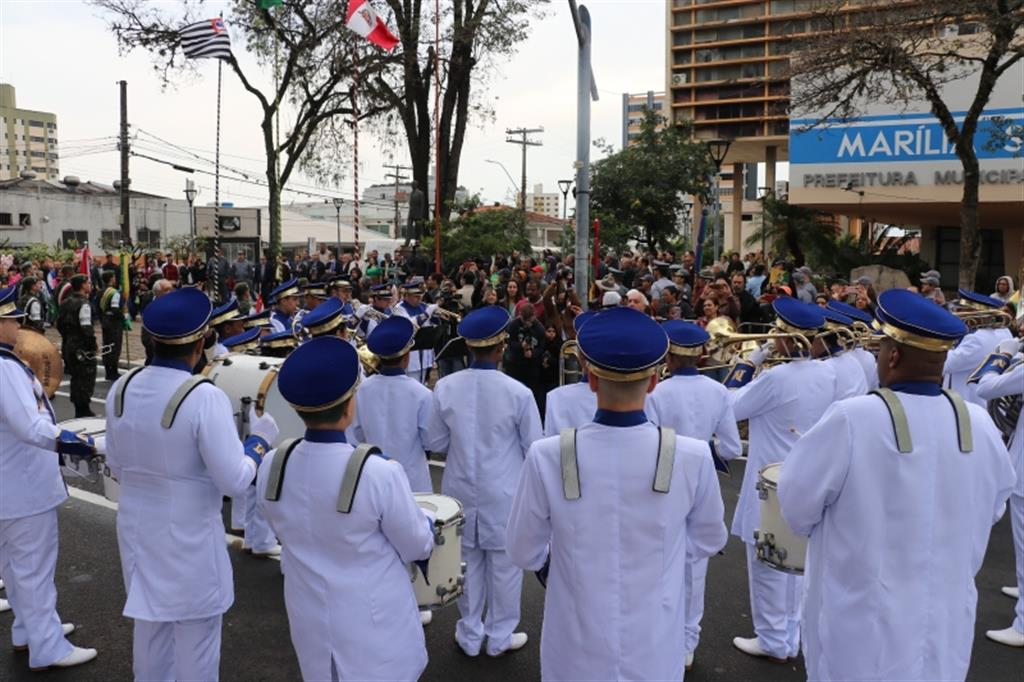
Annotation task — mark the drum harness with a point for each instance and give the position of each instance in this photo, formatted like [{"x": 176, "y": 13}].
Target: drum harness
[
  {"x": 349, "y": 481},
  {"x": 901, "y": 426},
  {"x": 571, "y": 470}
]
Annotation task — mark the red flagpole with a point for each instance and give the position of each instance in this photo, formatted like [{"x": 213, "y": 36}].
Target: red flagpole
[{"x": 437, "y": 136}]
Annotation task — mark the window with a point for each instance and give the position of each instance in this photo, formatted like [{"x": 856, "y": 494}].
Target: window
[
  {"x": 110, "y": 237},
  {"x": 5, "y": 219},
  {"x": 25, "y": 220},
  {"x": 34, "y": 138},
  {"x": 38, "y": 154},
  {"x": 36, "y": 124},
  {"x": 73, "y": 238},
  {"x": 148, "y": 238}
]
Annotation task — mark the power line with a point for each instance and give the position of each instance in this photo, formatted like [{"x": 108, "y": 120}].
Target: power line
[{"x": 524, "y": 143}]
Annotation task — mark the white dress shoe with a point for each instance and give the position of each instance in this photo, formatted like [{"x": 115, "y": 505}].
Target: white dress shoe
[
  {"x": 273, "y": 551},
  {"x": 426, "y": 617},
  {"x": 66, "y": 629},
  {"x": 463, "y": 650},
  {"x": 1009, "y": 637},
  {"x": 4, "y": 605},
  {"x": 78, "y": 656},
  {"x": 1011, "y": 592},
  {"x": 517, "y": 642},
  {"x": 689, "y": 661},
  {"x": 752, "y": 647}
]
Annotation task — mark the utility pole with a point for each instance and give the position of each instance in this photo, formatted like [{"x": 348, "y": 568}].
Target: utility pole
[
  {"x": 586, "y": 90},
  {"x": 397, "y": 175},
  {"x": 524, "y": 143},
  {"x": 126, "y": 232}
]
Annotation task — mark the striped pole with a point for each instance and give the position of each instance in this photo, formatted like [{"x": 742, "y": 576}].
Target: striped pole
[{"x": 355, "y": 148}]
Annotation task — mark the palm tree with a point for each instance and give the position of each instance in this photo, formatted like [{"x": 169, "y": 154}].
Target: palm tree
[{"x": 790, "y": 230}]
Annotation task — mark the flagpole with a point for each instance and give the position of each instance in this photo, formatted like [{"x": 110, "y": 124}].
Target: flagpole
[
  {"x": 437, "y": 136},
  {"x": 355, "y": 148},
  {"x": 216, "y": 193}
]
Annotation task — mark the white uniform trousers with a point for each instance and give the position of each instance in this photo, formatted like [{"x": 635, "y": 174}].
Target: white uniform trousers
[
  {"x": 259, "y": 536},
  {"x": 178, "y": 650},
  {"x": 695, "y": 579},
  {"x": 238, "y": 513},
  {"x": 491, "y": 580},
  {"x": 1017, "y": 520},
  {"x": 28, "y": 560},
  {"x": 775, "y": 601}
]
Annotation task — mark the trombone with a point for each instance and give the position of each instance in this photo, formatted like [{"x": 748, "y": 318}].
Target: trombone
[
  {"x": 984, "y": 319},
  {"x": 569, "y": 369},
  {"x": 722, "y": 339}
]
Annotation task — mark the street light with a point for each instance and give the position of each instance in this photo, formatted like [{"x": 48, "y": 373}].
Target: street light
[
  {"x": 687, "y": 218},
  {"x": 507, "y": 174},
  {"x": 190, "y": 195},
  {"x": 564, "y": 185},
  {"x": 717, "y": 150},
  {"x": 338, "y": 202}
]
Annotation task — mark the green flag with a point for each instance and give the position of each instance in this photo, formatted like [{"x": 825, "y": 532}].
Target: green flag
[{"x": 267, "y": 4}]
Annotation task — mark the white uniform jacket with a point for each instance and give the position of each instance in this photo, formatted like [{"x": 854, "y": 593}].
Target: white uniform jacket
[
  {"x": 218, "y": 350},
  {"x": 781, "y": 403},
  {"x": 393, "y": 413},
  {"x": 421, "y": 317},
  {"x": 486, "y": 421},
  {"x": 895, "y": 539},
  {"x": 850, "y": 379},
  {"x": 169, "y": 526},
  {"x": 346, "y": 585},
  {"x": 569, "y": 407},
  {"x": 1010, "y": 382},
  {"x": 615, "y": 605},
  {"x": 869, "y": 363},
  {"x": 967, "y": 357},
  {"x": 697, "y": 407},
  {"x": 30, "y": 479}
]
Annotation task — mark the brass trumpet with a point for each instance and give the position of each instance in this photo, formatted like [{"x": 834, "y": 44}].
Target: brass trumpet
[
  {"x": 722, "y": 339},
  {"x": 447, "y": 315},
  {"x": 984, "y": 319}
]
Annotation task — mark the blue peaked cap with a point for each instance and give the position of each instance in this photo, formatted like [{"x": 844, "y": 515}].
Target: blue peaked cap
[
  {"x": 9, "y": 303},
  {"x": 484, "y": 326},
  {"x": 180, "y": 317},
  {"x": 248, "y": 336},
  {"x": 392, "y": 337},
  {"x": 793, "y": 313},
  {"x": 289, "y": 288},
  {"x": 914, "y": 320},
  {"x": 319, "y": 374},
  {"x": 835, "y": 316},
  {"x": 324, "y": 318},
  {"x": 982, "y": 299},
  {"x": 685, "y": 334},
  {"x": 850, "y": 311},
  {"x": 622, "y": 344},
  {"x": 580, "y": 319}
]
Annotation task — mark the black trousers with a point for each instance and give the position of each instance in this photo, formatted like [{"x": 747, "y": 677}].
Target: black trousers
[
  {"x": 113, "y": 336},
  {"x": 83, "y": 380}
]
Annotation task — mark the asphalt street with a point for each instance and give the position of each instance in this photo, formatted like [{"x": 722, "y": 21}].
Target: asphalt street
[{"x": 256, "y": 643}]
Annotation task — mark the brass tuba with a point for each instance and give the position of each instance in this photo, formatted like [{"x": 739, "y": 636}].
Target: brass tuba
[{"x": 39, "y": 353}]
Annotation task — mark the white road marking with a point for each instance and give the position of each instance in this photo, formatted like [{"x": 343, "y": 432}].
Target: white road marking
[
  {"x": 101, "y": 401},
  {"x": 234, "y": 542}
]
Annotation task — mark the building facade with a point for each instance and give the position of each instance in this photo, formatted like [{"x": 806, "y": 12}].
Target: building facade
[
  {"x": 544, "y": 203},
  {"x": 633, "y": 108},
  {"x": 30, "y": 139}
]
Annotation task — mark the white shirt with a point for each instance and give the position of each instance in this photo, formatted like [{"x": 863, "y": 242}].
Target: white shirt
[
  {"x": 895, "y": 539},
  {"x": 30, "y": 479},
  {"x": 697, "y": 407},
  {"x": 1010, "y": 382},
  {"x": 418, "y": 359},
  {"x": 850, "y": 378},
  {"x": 346, "y": 585},
  {"x": 486, "y": 421},
  {"x": 781, "y": 403},
  {"x": 869, "y": 363},
  {"x": 569, "y": 407},
  {"x": 967, "y": 357},
  {"x": 400, "y": 429},
  {"x": 169, "y": 526},
  {"x": 615, "y": 602}
]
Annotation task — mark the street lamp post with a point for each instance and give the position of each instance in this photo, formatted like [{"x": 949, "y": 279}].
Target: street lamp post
[
  {"x": 338, "y": 202},
  {"x": 564, "y": 185},
  {"x": 507, "y": 174},
  {"x": 688, "y": 220},
  {"x": 763, "y": 193},
  {"x": 717, "y": 150},
  {"x": 190, "y": 196}
]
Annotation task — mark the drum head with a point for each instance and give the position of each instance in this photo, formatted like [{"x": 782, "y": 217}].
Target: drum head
[
  {"x": 443, "y": 507},
  {"x": 87, "y": 426},
  {"x": 251, "y": 379},
  {"x": 771, "y": 473}
]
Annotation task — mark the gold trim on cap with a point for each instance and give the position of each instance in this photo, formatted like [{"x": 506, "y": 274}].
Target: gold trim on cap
[
  {"x": 915, "y": 340},
  {"x": 230, "y": 316},
  {"x": 326, "y": 327},
  {"x": 686, "y": 351},
  {"x": 182, "y": 340},
  {"x": 9, "y": 308},
  {"x": 245, "y": 347},
  {"x": 290, "y": 291},
  {"x": 286, "y": 342},
  {"x": 619, "y": 376},
  {"x": 490, "y": 341},
  {"x": 784, "y": 326},
  {"x": 408, "y": 347}
]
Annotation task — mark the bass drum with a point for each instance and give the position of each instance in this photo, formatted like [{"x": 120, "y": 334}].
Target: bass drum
[
  {"x": 96, "y": 427},
  {"x": 249, "y": 379}
]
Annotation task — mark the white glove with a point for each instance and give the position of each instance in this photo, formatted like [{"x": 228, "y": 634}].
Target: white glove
[
  {"x": 761, "y": 353},
  {"x": 100, "y": 443},
  {"x": 1009, "y": 347},
  {"x": 265, "y": 427}
]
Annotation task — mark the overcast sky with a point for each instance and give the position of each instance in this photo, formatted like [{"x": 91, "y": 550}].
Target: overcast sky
[{"x": 61, "y": 58}]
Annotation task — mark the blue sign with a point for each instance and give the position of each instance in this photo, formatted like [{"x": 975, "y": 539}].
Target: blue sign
[{"x": 901, "y": 137}]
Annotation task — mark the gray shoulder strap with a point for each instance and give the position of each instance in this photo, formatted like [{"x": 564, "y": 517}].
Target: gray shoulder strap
[
  {"x": 963, "y": 420},
  {"x": 171, "y": 411},
  {"x": 354, "y": 469},
  {"x": 899, "y": 419},
  {"x": 570, "y": 467},
  {"x": 275, "y": 479},
  {"x": 666, "y": 459},
  {"x": 119, "y": 395}
]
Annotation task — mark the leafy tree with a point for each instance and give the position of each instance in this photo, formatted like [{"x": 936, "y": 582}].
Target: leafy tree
[
  {"x": 481, "y": 231},
  {"x": 638, "y": 192},
  {"x": 795, "y": 231},
  {"x": 898, "y": 52}
]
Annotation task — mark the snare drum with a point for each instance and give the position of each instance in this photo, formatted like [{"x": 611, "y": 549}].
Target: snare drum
[
  {"x": 253, "y": 379},
  {"x": 443, "y": 582},
  {"x": 96, "y": 427},
  {"x": 777, "y": 545}
]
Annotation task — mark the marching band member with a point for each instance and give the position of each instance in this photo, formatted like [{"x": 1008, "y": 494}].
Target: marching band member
[
  {"x": 340, "y": 287},
  {"x": 573, "y": 405},
  {"x": 31, "y": 489},
  {"x": 695, "y": 406},
  {"x": 850, "y": 379},
  {"x": 246, "y": 342},
  {"x": 1003, "y": 375},
  {"x": 278, "y": 344},
  {"x": 226, "y": 321},
  {"x": 486, "y": 421},
  {"x": 351, "y": 607},
  {"x": 898, "y": 491},
  {"x": 285, "y": 299},
  {"x": 260, "y": 320},
  {"x": 867, "y": 360},
  {"x": 172, "y": 445},
  {"x": 611, "y": 508},
  {"x": 781, "y": 403},
  {"x": 314, "y": 293},
  {"x": 379, "y": 308},
  {"x": 412, "y": 307},
  {"x": 973, "y": 348},
  {"x": 328, "y": 318}
]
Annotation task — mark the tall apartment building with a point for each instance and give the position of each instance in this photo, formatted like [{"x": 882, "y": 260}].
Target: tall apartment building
[
  {"x": 30, "y": 139},
  {"x": 633, "y": 107},
  {"x": 545, "y": 203}
]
